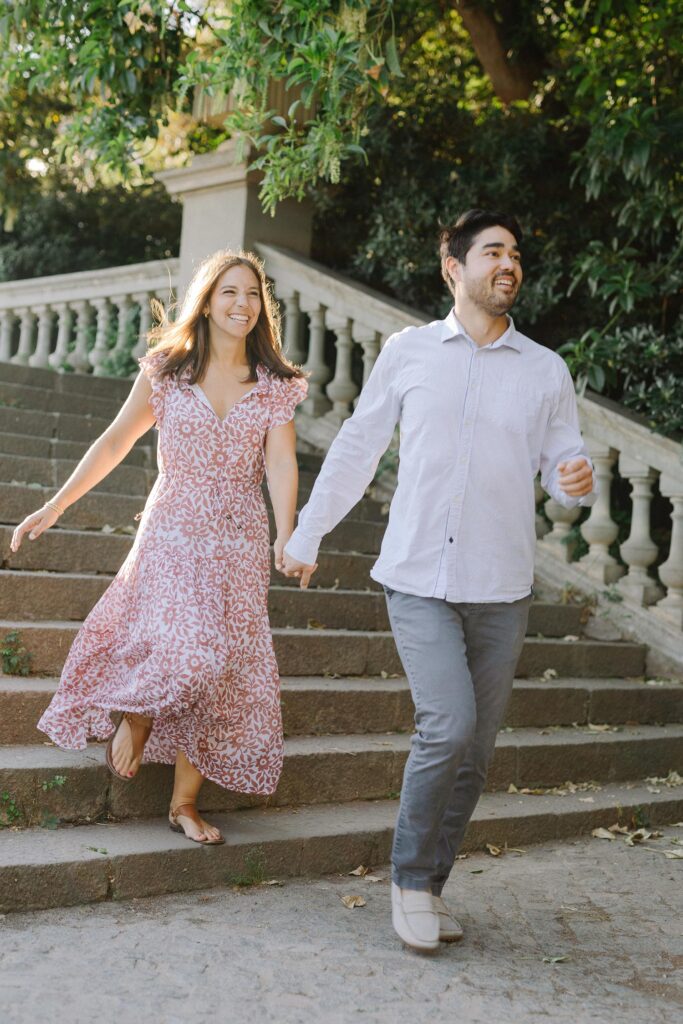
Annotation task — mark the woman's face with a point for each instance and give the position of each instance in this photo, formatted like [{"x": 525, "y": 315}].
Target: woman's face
[{"x": 235, "y": 302}]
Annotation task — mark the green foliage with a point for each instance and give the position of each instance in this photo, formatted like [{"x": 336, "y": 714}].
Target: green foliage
[
  {"x": 62, "y": 230},
  {"x": 254, "y": 872},
  {"x": 10, "y": 813},
  {"x": 16, "y": 661}
]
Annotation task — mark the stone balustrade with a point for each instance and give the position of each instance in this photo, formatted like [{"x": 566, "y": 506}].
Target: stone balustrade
[
  {"x": 620, "y": 444},
  {"x": 335, "y": 327},
  {"x": 317, "y": 304},
  {"x": 82, "y": 321}
]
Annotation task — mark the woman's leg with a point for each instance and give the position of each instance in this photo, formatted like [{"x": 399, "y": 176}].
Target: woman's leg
[
  {"x": 186, "y": 785},
  {"x": 129, "y": 743}
]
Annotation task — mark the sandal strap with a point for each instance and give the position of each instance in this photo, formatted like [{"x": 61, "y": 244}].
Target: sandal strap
[{"x": 175, "y": 812}]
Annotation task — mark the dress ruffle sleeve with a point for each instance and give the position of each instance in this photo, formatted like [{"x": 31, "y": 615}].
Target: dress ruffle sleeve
[
  {"x": 286, "y": 393},
  {"x": 151, "y": 365}
]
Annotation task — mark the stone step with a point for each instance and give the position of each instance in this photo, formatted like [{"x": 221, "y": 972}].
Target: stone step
[
  {"x": 97, "y": 509},
  {"x": 43, "y": 781},
  {"x": 49, "y": 595},
  {"x": 53, "y": 448},
  {"x": 315, "y": 705},
  {"x": 23, "y": 396},
  {"x": 136, "y": 481},
  {"x": 42, "y": 868},
  {"x": 65, "y": 426},
  {"x": 314, "y": 652},
  {"x": 52, "y": 473},
  {"x": 82, "y": 551},
  {"x": 114, "y": 388}
]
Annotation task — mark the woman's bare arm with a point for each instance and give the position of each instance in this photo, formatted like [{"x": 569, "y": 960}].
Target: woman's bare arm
[
  {"x": 103, "y": 455},
  {"x": 283, "y": 482}
]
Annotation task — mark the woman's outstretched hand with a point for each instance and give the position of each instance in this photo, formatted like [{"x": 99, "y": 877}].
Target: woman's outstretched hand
[{"x": 35, "y": 524}]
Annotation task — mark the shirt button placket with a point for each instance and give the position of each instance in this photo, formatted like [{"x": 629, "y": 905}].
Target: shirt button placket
[{"x": 462, "y": 471}]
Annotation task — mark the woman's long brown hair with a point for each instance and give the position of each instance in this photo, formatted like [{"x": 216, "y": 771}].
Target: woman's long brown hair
[{"x": 185, "y": 340}]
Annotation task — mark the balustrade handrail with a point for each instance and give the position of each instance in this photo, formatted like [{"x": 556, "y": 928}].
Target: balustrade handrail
[
  {"x": 601, "y": 418},
  {"x": 337, "y": 293},
  {"x": 153, "y": 276}
]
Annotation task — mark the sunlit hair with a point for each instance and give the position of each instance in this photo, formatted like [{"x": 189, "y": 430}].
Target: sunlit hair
[{"x": 185, "y": 339}]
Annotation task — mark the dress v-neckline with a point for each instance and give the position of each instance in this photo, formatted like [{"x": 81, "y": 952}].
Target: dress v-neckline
[{"x": 199, "y": 391}]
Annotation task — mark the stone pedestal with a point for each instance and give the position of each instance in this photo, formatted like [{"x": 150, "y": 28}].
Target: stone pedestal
[{"x": 222, "y": 210}]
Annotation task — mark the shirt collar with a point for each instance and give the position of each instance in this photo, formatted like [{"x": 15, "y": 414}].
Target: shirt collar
[{"x": 452, "y": 328}]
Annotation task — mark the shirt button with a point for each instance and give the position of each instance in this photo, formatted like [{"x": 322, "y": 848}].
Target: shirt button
[{"x": 450, "y": 540}]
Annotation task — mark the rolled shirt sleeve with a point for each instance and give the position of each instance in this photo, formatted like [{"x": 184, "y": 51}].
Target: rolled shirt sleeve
[
  {"x": 352, "y": 459},
  {"x": 563, "y": 442}
]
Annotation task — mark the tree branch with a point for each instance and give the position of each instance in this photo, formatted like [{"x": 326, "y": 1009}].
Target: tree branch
[{"x": 510, "y": 81}]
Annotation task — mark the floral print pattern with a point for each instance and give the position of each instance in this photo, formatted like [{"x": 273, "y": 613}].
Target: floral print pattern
[{"x": 182, "y": 633}]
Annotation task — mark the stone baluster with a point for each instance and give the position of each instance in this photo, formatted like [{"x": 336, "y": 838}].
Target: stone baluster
[
  {"x": 542, "y": 527},
  {"x": 100, "y": 351},
  {"x": 6, "y": 326},
  {"x": 369, "y": 342},
  {"x": 342, "y": 389},
  {"x": 556, "y": 539},
  {"x": 294, "y": 349},
  {"x": 600, "y": 530},
  {"x": 639, "y": 551},
  {"x": 121, "y": 304},
  {"x": 316, "y": 403},
  {"x": 78, "y": 358},
  {"x": 64, "y": 324},
  {"x": 670, "y": 607},
  {"x": 143, "y": 301},
  {"x": 41, "y": 356},
  {"x": 23, "y": 353}
]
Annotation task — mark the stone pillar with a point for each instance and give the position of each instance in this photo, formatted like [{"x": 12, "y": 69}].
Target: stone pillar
[
  {"x": 600, "y": 530},
  {"x": 6, "y": 325},
  {"x": 78, "y": 358},
  {"x": 41, "y": 356},
  {"x": 222, "y": 210},
  {"x": 557, "y": 539},
  {"x": 639, "y": 551},
  {"x": 140, "y": 347},
  {"x": 341, "y": 389},
  {"x": 64, "y": 321},
  {"x": 293, "y": 347},
  {"x": 670, "y": 608},
  {"x": 316, "y": 403},
  {"x": 100, "y": 349},
  {"x": 27, "y": 319}
]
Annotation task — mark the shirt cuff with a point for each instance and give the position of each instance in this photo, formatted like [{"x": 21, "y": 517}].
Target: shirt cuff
[{"x": 302, "y": 548}]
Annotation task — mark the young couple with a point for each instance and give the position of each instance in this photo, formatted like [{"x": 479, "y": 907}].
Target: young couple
[{"x": 180, "y": 643}]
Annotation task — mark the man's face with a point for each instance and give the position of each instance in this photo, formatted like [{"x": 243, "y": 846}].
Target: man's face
[{"x": 491, "y": 275}]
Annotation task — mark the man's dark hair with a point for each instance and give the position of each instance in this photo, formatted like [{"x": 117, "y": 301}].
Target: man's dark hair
[{"x": 458, "y": 239}]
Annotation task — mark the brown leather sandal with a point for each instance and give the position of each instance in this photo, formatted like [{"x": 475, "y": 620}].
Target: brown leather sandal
[
  {"x": 189, "y": 811},
  {"x": 130, "y": 717}
]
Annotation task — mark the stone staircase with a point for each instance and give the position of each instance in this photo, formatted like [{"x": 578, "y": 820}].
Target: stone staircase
[{"x": 74, "y": 834}]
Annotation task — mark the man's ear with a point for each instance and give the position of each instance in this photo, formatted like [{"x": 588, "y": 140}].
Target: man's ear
[{"x": 453, "y": 269}]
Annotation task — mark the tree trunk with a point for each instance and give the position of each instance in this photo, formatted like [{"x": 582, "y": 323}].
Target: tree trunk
[{"x": 510, "y": 81}]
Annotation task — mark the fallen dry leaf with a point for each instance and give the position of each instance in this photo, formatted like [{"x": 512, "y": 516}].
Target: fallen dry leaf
[
  {"x": 495, "y": 851},
  {"x": 672, "y": 779},
  {"x": 555, "y": 959},
  {"x": 673, "y": 854},
  {"x": 360, "y": 871},
  {"x": 616, "y": 827},
  {"x": 592, "y": 727},
  {"x": 352, "y": 901},
  {"x": 314, "y": 624},
  {"x": 374, "y": 878},
  {"x": 602, "y": 833},
  {"x": 274, "y": 881},
  {"x": 676, "y": 824},
  {"x": 550, "y": 673},
  {"x": 570, "y": 637},
  {"x": 512, "y": 788}
]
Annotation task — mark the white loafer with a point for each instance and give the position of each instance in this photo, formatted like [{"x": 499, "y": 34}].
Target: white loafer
[
  {"x": 415, "y": 920},
  {"x": 450, "y": 929}
]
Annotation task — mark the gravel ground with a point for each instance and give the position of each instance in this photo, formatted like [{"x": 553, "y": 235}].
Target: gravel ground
[{"x": 294, "y": 953}]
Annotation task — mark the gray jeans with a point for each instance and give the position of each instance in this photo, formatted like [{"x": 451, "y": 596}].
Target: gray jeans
[{"x": 460, "y": 662}]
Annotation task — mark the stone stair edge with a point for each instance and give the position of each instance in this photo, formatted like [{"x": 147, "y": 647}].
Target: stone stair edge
[{"x": 41, "y": 869}]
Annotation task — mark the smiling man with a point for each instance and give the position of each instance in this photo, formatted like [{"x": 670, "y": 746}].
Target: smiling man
[{"x": 482, "y": 409}]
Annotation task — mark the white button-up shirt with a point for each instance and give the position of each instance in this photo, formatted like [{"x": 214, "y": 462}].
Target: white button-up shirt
[{"x": 476, "y": 426}]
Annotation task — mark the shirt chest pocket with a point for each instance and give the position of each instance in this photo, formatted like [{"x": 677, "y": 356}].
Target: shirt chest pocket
[{"x": 517, "y": 406}]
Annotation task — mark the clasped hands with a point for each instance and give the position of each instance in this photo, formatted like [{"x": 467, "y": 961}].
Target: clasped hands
[{"x": 289, "y": 566}]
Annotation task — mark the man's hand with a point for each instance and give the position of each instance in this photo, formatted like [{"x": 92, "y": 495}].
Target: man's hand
[
  {"x": 575, "y": 477},
  {"x": 290, "y": 567}
]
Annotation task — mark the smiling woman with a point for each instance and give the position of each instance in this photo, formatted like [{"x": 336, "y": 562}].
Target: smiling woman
[{"x": 180, "y": 643}]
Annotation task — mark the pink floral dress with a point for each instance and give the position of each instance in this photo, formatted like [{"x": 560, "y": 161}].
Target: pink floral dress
[{"x": 182, "y": 633}]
